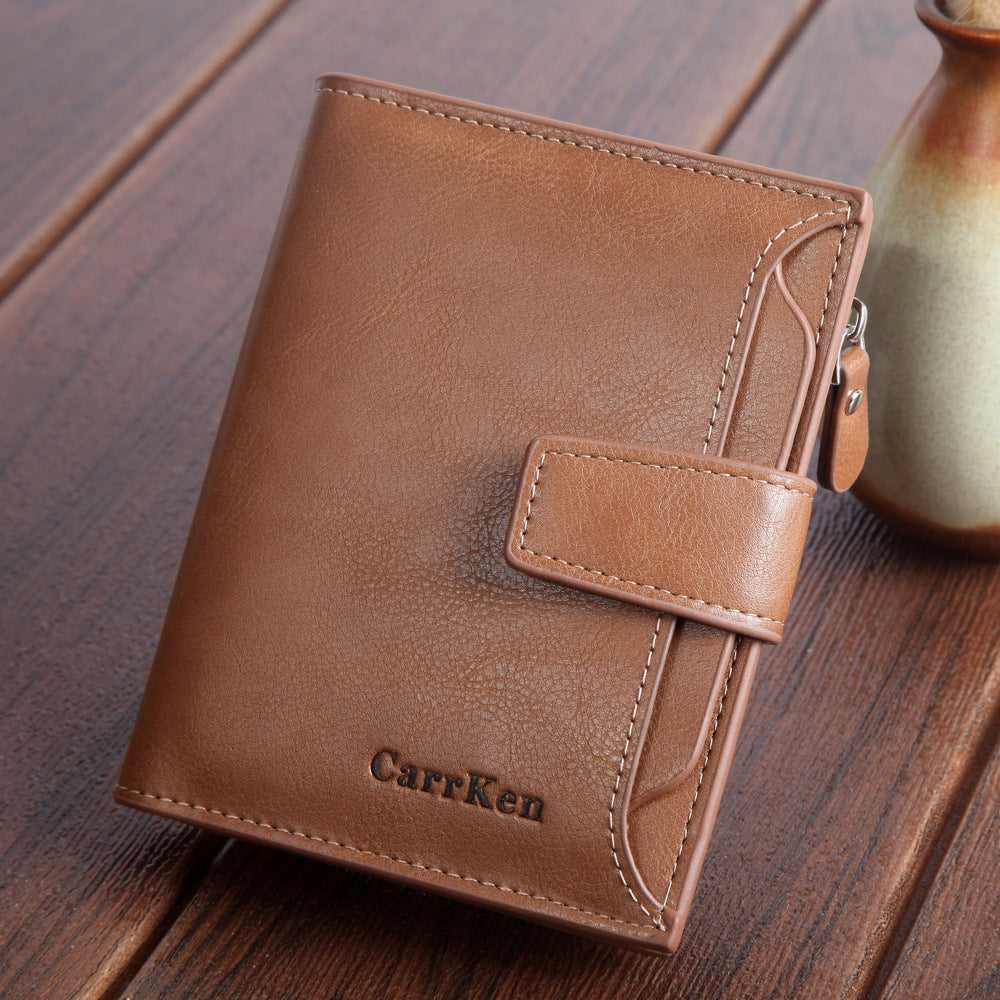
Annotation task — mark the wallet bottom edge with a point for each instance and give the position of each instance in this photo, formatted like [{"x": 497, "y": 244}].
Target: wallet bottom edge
[{"x": 605, "y": 930}]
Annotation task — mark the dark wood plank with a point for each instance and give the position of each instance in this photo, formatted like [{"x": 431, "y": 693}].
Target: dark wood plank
[
  {"x": 954, "y": 947},
  {"x": 117, "y": 351},
  {"x": 861, "y": 733},
  {"x": 86, "y": 89},
  {"x": 816, "y": 851},
  {"x": 837, "y": 99}
]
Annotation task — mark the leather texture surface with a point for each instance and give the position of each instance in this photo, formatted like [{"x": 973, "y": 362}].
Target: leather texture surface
[
  {"x": 705, "y": 538},
  {"x": 349, "y": 668},
  {"x": 845, "y": 428}
]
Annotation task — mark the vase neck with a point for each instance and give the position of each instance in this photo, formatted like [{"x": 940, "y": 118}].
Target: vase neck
[
  {"x": 958, "y": 39},
  {"x": 970, "y": 68},
  {"x": 956, "y": 121}
]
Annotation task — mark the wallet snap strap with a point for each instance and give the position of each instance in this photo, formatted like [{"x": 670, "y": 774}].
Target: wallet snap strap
[{"x": 711, "y": 539}]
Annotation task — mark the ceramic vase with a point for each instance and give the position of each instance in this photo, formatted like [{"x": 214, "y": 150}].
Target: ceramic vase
[{"x": 932, "y": 285}]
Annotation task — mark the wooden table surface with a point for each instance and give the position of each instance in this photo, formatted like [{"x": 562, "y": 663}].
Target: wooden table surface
[{"x": 145, "y": 149}]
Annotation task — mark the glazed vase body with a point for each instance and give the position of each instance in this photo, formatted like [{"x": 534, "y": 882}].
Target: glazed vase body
[{"x": 932, "y": 285}]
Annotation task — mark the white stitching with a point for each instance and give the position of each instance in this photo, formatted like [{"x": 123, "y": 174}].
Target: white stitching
[
  {"x": 376, "y": 854},
  {"x": 829, "y": 287},
  {"x": 732, "y": 346},
  {"x": 732, "y": 664},
  {"x": 677, "y": 468},
  {"x": 621, "y": 579},
  {"x": 701, "y": 775},
  {"x": 531, "y": 500},
  {"x": 653, "y": 586},
  {"x": 743, "y": 305},
  {"x": 586, "y": 145},
  {"x": 657, "y": 918}
]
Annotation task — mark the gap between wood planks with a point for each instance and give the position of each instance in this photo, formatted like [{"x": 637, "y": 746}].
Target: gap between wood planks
[
  {"x": 973, "y": 775},
  {"x": 768, "y": 66},
  {"x": 128, "y": 155},
  {"x": 212, "y": 848},
  {"x": 38, "y": 243},
  {"x": 783, "y": 43},
  {"x": 35, "y": 245}
]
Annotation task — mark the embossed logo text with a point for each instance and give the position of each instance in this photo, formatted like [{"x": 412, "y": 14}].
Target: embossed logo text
[{"x": 470, "y": 788}]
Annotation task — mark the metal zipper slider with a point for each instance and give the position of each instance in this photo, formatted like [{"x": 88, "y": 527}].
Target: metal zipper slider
[
  {"x": 854, "y": 334},
  {"x": 845, "y": 423}
]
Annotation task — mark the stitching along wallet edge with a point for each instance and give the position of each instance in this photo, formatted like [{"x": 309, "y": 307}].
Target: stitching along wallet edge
[{"x": 507, "y": 494}]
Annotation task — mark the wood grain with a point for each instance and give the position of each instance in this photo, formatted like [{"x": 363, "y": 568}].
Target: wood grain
[
  {"x": 828, "y": 826},
  {"x": 835, "y": 102},
  {"x": 117, "y": 351},
  {"x": 953, "y": 949},
  {"x": 857, "y": 750},
  {"x": 86, "y": 89},
  {"x": 925, "y": 716},
  {"x": 842, "y": 780}
]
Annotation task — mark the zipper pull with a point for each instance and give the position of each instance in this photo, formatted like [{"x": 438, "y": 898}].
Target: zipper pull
[{"x": 845, "y": 423}]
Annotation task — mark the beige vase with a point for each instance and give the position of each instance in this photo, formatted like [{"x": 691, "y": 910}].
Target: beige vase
[{"x": 932, "y": 285}]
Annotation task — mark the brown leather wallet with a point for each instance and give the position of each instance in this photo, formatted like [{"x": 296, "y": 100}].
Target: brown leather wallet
[{"x": 508, "y": 493}]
